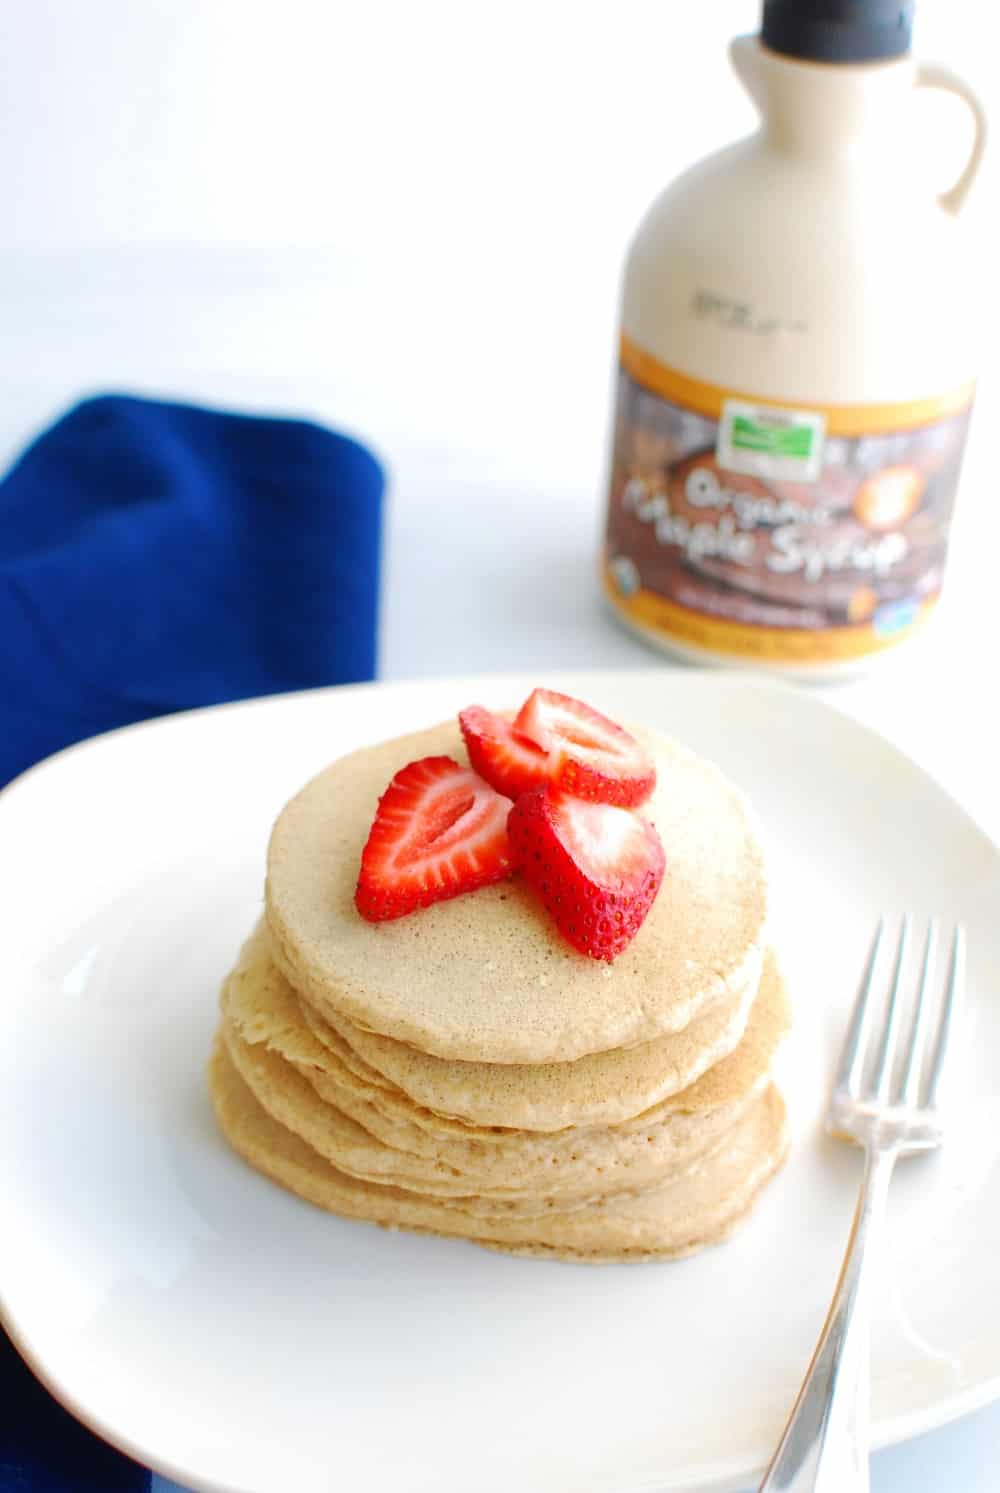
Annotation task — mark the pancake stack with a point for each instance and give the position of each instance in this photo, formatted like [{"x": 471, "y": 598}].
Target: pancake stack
[{"x": 463, "y": 1071}]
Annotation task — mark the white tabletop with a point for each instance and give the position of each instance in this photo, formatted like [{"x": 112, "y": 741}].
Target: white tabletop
[{"x": 494, "y": 502}]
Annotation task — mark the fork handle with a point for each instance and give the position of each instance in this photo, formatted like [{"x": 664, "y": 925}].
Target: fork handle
[{"x": 824, "y": 1447}]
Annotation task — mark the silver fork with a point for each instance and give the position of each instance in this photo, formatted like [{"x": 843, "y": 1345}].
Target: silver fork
[{"x": 891, "y": 1110}]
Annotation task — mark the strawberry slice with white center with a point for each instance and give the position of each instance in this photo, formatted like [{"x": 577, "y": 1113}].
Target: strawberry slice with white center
[
  {"x": 596, "y": 867},
  {"x": 589, "y": 755},
  {"x": 439, "y": 831},
  {"x": 510, "y": 762}
]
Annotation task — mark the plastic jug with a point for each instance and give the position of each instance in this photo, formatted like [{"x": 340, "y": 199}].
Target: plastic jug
[{"x": 797, "y": 363}]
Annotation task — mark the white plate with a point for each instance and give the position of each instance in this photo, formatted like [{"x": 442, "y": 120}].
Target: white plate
[{"x": 236, "y": 1338}]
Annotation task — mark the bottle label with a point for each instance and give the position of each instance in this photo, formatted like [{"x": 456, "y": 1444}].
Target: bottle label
[{"x": 758, "y": 529}]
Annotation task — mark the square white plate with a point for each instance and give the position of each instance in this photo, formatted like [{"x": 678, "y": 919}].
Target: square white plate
[{"x": 238, "y": 1339}]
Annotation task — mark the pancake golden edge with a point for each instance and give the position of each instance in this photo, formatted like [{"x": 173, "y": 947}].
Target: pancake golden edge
[
  {"x": 601, "y": 1088},
  {"x": 697, "y": 1208},
  {"x": 290, "y": 1101},
  {"x": 745, "y": 1069},
  {"x": 486, "y": 977},
  {"x": 594, "y": 1164},
  {"x": 262, "y": 1011}
]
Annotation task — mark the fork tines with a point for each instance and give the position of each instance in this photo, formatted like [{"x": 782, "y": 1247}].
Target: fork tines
[{"x": 868, "y": 1070}]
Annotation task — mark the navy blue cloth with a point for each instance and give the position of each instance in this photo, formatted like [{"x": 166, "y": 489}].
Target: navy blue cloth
[
  {"x": 44, "y": 1450},
  {"x": 155, "y": 557}
]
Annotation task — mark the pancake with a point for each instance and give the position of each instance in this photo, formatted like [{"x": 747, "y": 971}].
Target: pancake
[
  {"x": 622, "y": 1160},
  {"x": 581, "y": 1180},
  {"x": 580, "y": 1166},
  {"x": 699, "y": 1206},
  {"x": 486, "y": 977},
  {"x": 602, "y": 1088},
  {"x": 262, "y": 1009},
  {"x": 629, "y": 1157},
  {"x": 767, "y": 1026}
]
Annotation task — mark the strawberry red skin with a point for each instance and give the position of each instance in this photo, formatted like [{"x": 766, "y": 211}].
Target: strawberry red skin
[
  {"x": 509, "y": 762},
  {"x": 439, "y": 831},
  {"x": 597, "y": 911},
  {"x": 590, "y": 756},
  {"x": 586, "y": 782}
]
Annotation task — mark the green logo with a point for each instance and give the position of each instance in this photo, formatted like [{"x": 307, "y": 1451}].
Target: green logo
[
  {"x": 772, "y": 438},
  {"x": 772, "y": 443}
]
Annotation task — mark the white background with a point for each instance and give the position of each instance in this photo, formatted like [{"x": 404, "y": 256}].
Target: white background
[{"x": 408, "y": 220}]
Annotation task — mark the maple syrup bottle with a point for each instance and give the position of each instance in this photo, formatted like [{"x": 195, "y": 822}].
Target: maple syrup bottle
[{"x": 797, "y": 362}]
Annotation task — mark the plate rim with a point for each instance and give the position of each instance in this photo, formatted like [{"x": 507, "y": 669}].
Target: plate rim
[{"x": 709, "y": 679}]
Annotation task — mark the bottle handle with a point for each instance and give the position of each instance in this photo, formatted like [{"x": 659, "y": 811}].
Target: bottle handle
[{"x": 933, "y": 75}]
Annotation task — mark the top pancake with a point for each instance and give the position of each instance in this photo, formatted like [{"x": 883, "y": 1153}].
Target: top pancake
[{"x": 486, "y": 977}]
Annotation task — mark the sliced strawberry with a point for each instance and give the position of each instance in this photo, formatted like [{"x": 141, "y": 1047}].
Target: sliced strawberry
[
  {"x": 439, "y": 830},
  {"x": 596, "y": 867},
  {"x": 589, "y": 755},
  {"x": 509, "y": 762}
]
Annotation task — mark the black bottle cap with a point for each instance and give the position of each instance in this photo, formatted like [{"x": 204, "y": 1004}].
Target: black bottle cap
[{"x": 838, "y": 30}]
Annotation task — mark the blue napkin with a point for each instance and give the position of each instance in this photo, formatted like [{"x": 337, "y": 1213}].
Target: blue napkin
[
  {"x": 44, "y": 1450},
  {"x": 155, "y": 557}
]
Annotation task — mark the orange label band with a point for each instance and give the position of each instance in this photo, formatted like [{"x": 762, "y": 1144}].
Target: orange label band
[{"x": 841, "y": 419}]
